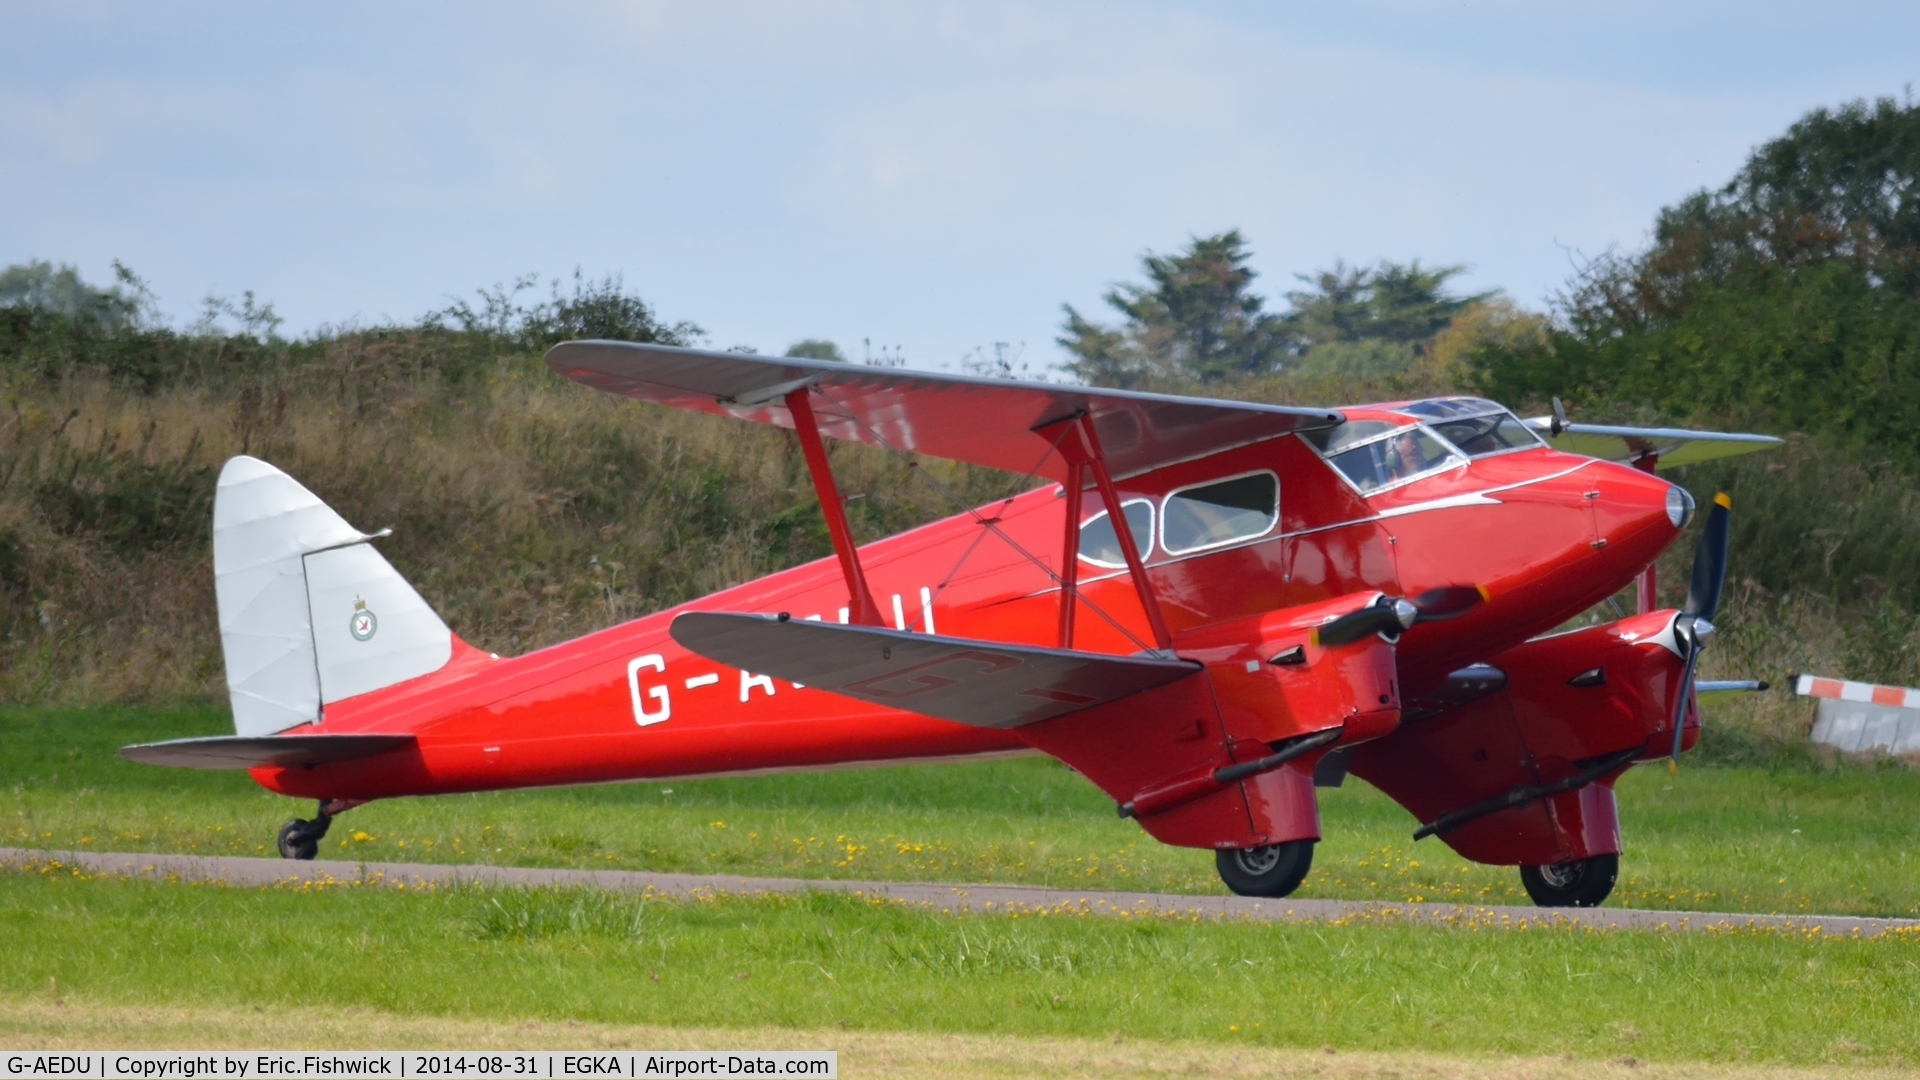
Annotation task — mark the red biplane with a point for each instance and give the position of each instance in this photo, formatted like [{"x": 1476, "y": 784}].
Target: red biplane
[{"x": 1297, "y": 594}]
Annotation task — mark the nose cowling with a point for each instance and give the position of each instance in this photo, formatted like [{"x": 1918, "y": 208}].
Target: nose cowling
[{"x": 1636, "y": 514}]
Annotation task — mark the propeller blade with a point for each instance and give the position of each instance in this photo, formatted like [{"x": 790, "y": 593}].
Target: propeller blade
[
  {"x": 1448, "y": 602},
  {"x": 1694, "y": 627},
  {"x": 1686, "y": 694},
  {"x": 1710, "y": 560},
  {"x": 1391, "y": 617},
  {"x": 1356, "y": 625},
  {"x": 1559, "y": 423}
]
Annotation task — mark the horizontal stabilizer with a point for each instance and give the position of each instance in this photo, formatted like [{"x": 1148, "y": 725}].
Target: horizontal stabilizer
[
  {"x": 991, "y": 422},
  {"x": 1675, "y": 446},
  {"x": 249, "y": 751},
  {"x": 978, "y": 683}
]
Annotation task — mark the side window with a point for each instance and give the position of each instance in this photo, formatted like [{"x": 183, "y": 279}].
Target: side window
[
  {"x": 1416, "y": 451},
  {"x": 1408, "y": 453},
  {"x": 1516, "y": 434},
  {"x": 1221, "y": 512},
  {"x": 1099, "y": 545},
  {"x": 1365, "y": 465}
]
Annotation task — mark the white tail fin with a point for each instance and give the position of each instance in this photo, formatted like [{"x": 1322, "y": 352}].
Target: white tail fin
[{"x": 309, "y": 612}]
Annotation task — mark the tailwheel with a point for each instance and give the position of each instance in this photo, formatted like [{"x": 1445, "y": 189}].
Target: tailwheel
[
  {"x": 296, "y": 843},
  {"x": 1274, "y": 870},
  {"x": 1581, "y": 883},
  {"x": 301, "y": 839}
]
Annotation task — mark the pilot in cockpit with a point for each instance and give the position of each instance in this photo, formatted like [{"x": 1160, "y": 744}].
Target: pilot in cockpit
[{"x": 1406, "y": 458}]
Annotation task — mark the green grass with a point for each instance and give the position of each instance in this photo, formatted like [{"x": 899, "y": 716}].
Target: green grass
[
  {"x": 817, "y": 961},
  {"x": 1788, "y": 839}
]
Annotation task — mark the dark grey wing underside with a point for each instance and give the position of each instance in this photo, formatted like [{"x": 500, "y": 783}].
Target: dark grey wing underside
[
  {"x": 978, "y": 683},
  {"x": 989, "y": 422},
  {"x": 248, "y": 751}
]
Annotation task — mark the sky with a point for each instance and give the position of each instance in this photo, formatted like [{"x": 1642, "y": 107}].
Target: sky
[{"x": 928, "y": 179}]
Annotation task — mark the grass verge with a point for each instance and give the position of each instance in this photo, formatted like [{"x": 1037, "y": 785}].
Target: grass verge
[
  {"x": 56, "y": 1022},
  {"x": 824, "y": 961},
  {"x": 53, "y": 1023}
]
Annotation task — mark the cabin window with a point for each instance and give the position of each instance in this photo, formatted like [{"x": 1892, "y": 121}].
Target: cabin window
[
  {"x": 1408, "y": 453},
  {"x": 1220, "y": 512},
  {"x": 1479, "y": 436},
  {"x": 1099, "y": 545}
]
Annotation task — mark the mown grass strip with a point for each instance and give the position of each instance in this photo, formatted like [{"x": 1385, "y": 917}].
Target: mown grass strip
[
  {"x": 62, "y": 1021},
  {"x": 243, "y": 872},
  {"x": 820, "y": 961},
  {"x": 1787, "y": 840}
]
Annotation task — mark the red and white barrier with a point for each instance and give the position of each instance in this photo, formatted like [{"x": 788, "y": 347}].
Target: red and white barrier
[
  {"x": 1862, "y": 717},
  {"x": 1902, "y": 697}
]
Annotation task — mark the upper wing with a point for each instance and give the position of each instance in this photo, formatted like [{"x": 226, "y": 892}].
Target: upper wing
[
  {"x": 983, "y": 421},
  {"x": 247, "y": 751},
  {"x": 1676, "y": 446},
  {"x": 979, "y": 683}
]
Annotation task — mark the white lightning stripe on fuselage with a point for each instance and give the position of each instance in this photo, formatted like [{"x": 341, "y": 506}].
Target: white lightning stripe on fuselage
[
  {"x": 1477, "y": 498},
  {"x": 1450, "y": 501}
]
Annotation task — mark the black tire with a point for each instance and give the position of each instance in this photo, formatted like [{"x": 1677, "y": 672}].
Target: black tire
[
  {"x": 296, "y": 842},
  {"x": 1583, "y": 883},
  {"x": 1272, "y": 871}
]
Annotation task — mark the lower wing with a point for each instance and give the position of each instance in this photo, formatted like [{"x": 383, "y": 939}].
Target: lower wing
[{"x": 978, "y": 683}]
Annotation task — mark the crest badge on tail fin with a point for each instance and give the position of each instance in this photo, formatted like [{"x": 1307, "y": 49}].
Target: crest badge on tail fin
[{"x": 364, "y": 623}]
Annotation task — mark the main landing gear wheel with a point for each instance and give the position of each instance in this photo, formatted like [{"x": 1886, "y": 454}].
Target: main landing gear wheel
[
  {"x": 301, "y": 839},
  {"x": 1583, "y": 883},
  {"x": 1272, "y": 871}
]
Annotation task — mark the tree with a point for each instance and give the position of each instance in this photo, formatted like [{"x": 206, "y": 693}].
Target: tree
[
  {"x": 1789, "y": 298},
  {"x": 1837, "y": 187},
  {"x": 1389, "y": 302},
  {"x": 595, "y": 310},
  {"x": 1410, "y": 304},
  {"x": 601, "y": 309},
  {"x": 1337, "y": 308},
  {"x": 1374, "y": 322},
  {"x": 1195, "y": 318},
  {"x": 1103, "y": 356},
  {"x": 41, "y": 286},
  {"x": 816, "y": 349}
]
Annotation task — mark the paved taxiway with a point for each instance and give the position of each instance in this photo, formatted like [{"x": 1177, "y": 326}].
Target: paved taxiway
[{"x": 955, "y": 898}]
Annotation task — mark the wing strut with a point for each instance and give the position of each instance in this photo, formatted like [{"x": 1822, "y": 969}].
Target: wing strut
[
  {"x": 1070, "y": 552},
  {"x": 1081, "y": 448},
  {"x": 1646, "y": 596},
  {"x": 862, "y": 610}
]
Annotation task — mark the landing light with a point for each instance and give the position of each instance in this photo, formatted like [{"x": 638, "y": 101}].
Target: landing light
[{"x": 1679, "y": 506}]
